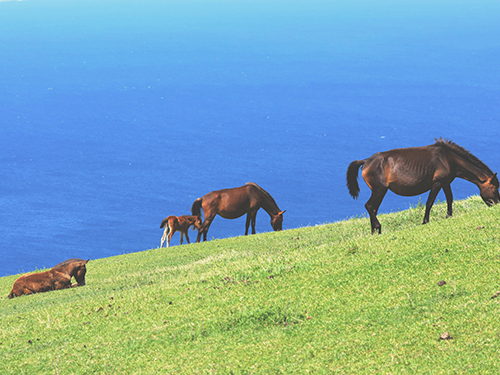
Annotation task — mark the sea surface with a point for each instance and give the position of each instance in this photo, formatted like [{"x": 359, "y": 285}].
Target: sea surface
[{"x": 116, "y": 114}]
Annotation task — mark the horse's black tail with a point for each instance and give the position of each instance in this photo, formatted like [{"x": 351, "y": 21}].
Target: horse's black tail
[
  {"x": 352, "y": 177},
  {"x": 196, "y": 207}
]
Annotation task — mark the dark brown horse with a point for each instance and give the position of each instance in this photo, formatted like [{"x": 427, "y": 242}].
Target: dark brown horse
[
  {"x": 181, "y": 223},
  {"x": 413, "y": 171},
  {"x": 234, "y": 203},
  {"x": 58, "y": 277}
]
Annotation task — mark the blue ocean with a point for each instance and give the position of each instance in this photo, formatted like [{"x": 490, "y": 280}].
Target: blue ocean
[{"x": 116, "y": 114}]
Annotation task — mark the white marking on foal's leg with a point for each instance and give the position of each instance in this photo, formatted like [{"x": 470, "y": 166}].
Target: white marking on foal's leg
[{"x": 163, "y": 237}]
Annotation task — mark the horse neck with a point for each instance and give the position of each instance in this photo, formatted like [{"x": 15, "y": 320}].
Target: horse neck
[
  {"x": 68, "y": 269},
  {"x": 269, "y": 206},
  {"x": 470, "y": 172}
]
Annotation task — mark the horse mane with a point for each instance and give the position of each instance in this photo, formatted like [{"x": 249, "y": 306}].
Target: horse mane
[
  {"x": 268, "y": 196},
  {"x": 463, "y": 153},
  {"x": 66, "y": 262}
]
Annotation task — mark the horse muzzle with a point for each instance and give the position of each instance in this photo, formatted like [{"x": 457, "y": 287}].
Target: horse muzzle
[{"x": 490, "y": 202}]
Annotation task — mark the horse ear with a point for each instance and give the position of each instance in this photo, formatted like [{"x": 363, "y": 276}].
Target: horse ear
[
  {"x": 282, "y": 212},
  {"x": 494, "y": 179},
  {"x": 87, "y": 261}
]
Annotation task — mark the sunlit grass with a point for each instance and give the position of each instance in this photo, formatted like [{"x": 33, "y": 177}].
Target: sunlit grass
[{"x": 331, "y": 298}]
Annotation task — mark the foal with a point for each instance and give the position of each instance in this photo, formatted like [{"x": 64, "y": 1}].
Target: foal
[{"x": 182, "y": 224}]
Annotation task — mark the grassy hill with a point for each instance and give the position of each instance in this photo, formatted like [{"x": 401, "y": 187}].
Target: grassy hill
[{"x": 323, "y": 299}]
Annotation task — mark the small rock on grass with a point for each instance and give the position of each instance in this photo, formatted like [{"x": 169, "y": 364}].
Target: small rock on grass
[{"x": 445, "y": 336}]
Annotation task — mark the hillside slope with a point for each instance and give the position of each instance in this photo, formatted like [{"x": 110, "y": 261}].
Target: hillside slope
[{"x": 323, "y": 299}]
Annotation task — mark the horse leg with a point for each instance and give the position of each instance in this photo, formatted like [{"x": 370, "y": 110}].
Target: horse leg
[
  {"x": 430, "y": 201},
  {"x": 247, "y": 224},
  {"x": 372, "y": 207},
  {"x": 28, "y": 291},
  {"x": 200, "y": 231},
  {"x": 63, "y": 284},
  {"x": 204, "y": 228},
  {"x": 187, "y": 237},
  {"x": 182, "y": 237},
  {"x": 165, "y": 233},
  {"x": 206, "y": 231},
  {"x": 169, "y": 237},
  {"x": 449, "y": 199},
  {"x": 254, "y": 217},
  {"x": 250, "y": 219}
]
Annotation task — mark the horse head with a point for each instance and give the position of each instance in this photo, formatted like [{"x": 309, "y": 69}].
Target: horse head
[
  {"x": 197, "y": 223},
  {"x": 277, "y": 221},
  {"x": 80, "y": 271},
  {"x": 489, "y": 190}
]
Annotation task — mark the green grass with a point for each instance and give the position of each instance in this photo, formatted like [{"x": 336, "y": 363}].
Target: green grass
[{"x": 324, "y": 299}]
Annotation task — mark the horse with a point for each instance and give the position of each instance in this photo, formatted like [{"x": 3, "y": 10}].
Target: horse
[
  {"x": 58, "y": 277},
  {"x": 415, "y": 170},
  {"x": 178, "y": 223},
  {"x": 234, "y": 203}
]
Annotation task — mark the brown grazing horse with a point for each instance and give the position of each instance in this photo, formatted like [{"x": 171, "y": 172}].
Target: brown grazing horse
[
  {"x": 413, "y": 171},
  {"x": 234, "y": 203},
  {"x": 182, "y": 223},
  {"x": 58, "y": 277}
]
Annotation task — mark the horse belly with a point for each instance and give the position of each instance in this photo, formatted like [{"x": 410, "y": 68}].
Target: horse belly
[
  {"x": 233, "y": 208},
  {"x": 233, "y": 214},
  {"x": 409, "y": 188},
  {"x": 407, "y": 179}
]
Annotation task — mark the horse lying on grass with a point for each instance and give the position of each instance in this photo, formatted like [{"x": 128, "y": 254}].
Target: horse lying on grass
[
  {"x": 181, "y": 223},
  {"x": 58, "y": 277}
]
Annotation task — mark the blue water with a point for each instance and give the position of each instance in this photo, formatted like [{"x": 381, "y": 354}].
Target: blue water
[{"x": 116, "y": 114}]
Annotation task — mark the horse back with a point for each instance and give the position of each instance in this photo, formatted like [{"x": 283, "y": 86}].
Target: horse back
[
  {"x": 67, "y": 262},
  {"x": 228, "y": 203},
  {"x": 170, "y": 220},
  {"x": 185, "y": 221},
  {"x": 240, "y": 198},
  {"x": 407, "y": 171},
  {"x": 419, "y": 159}
]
